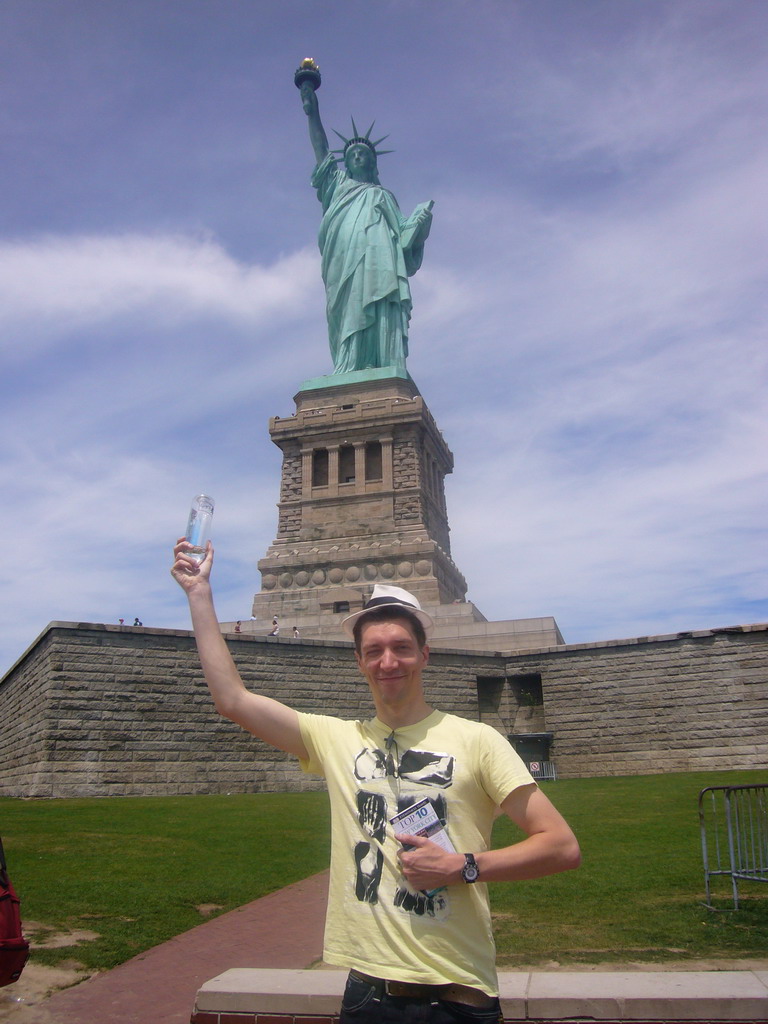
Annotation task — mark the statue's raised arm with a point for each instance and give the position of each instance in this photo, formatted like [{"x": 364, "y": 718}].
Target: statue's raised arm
[
  {"x": 307, "y": 79},
  {"x": 368, "y": 248}
]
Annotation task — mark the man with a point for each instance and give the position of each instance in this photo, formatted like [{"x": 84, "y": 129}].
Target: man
[{"x": 413, "y": 924}]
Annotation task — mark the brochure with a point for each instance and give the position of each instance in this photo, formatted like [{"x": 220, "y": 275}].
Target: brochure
[{"x": 420, "y": 819}]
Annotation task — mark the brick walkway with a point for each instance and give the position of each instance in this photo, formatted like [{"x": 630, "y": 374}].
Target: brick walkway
[{"x": 282, "y": 930}]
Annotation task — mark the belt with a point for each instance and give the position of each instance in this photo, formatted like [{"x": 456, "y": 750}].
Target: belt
[{"x": 410, "y": 990}]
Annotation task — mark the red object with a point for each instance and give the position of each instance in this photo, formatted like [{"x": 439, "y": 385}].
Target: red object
[{"x": 14, "y": 948}]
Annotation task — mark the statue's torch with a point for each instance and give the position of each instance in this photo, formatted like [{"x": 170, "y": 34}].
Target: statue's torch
[{"x": 307, "y": 76}]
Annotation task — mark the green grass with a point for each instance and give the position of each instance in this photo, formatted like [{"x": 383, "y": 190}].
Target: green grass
[
  {"x": 638, "y": 894},
  {"x": 135, "y": 871}
]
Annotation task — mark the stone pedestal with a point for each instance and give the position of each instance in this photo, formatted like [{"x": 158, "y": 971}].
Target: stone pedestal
[{"x": 362, "y": 501}]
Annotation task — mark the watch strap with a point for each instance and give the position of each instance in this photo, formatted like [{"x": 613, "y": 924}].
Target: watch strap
[{"x": 470, "y": 872}]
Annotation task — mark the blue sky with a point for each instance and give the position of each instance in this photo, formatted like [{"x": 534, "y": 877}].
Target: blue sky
[{"x": 588, "y": 328}]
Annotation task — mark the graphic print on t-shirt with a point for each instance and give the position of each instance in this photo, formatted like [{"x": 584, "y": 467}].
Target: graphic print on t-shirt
[{"x": 421, "y": 768}]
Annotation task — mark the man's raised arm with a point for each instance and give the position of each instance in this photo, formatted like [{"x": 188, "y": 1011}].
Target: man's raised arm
[{"x": 268, "y": 719}]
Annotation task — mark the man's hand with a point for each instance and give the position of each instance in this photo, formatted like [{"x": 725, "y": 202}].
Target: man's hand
[
  {"x": 428, "y": 866},
  {"x": 271, "y": 721},
  {"x": 188, "y": 572}
]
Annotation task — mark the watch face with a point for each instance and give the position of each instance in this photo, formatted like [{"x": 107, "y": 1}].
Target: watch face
[{"x": 470, "y": 872}]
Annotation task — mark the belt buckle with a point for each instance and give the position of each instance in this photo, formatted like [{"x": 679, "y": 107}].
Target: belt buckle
[
  {"x": 468, "y": 996},
  {"x": 398, "y": 989}
]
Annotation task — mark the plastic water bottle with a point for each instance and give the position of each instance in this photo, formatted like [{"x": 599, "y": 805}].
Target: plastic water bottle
[{"x": 199, "y": 525}]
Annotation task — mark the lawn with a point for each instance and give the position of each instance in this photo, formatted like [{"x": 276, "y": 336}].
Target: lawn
[
  {"x": 138, "y": 871},
  {"x": 638, "y": 895}
]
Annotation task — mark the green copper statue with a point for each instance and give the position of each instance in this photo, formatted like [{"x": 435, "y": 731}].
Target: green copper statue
[{"x": 368, "y": 249}]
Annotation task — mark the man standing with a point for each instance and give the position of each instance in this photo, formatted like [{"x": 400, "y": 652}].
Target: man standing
[{"x": 412, "y": 924}]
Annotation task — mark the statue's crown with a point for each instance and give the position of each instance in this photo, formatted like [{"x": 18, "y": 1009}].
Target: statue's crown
[{"x": 361, "y": 140}]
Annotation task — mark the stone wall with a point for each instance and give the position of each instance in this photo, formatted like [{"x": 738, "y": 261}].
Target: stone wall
[
  {"x": 26, "y": 707},
  {"x": 688, "y": 702},
  {"x": 94, "y": 710},
  {"x": 289, "y": 511}
]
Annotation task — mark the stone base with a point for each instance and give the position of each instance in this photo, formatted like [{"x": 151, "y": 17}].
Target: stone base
[
  {"x": 254, "y": 996},
  {"x": 361, "y": 502},
  {"x": 356, "y": 377},
  {"x": 311, "y": 580},
  {"x": 459, "y": 626}
]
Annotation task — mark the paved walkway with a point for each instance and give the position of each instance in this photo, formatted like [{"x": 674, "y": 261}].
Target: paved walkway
[{"x": 282, "y": 930}]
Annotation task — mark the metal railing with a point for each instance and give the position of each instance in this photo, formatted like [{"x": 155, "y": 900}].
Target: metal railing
[
  {"x": 543, "y": 770},
  {"x": 734, "y": 836}
]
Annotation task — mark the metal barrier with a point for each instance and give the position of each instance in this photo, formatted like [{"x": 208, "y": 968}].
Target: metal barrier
[
  {"x": 543, "y": 770},
  {"x": 734, "y": 835}
]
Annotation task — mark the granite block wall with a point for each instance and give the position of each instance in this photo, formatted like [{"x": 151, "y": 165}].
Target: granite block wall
[
  {"x": 688, "y": 702},
  {"x": 93, "y": 710}
]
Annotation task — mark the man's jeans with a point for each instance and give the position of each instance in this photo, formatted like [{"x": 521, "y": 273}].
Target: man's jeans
[{"x": 364, "y": 1004}]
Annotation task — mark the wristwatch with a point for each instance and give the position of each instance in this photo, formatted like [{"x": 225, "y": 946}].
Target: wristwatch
[{"x": 470, "y": 872}]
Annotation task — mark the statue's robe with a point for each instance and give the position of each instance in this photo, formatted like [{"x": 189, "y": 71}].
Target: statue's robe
[{"x": 365, "y": 267}]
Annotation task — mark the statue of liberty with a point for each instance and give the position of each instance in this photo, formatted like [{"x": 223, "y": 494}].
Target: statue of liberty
[{"x": 368, "y": 249}]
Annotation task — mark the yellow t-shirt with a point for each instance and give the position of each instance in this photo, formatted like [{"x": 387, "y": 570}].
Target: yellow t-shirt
[{"x": 375, "y": 922}]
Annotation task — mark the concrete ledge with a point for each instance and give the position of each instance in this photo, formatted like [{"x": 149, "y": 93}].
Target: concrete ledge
[
  {"x": 663, "y": 995},
  {"x": 261, "y": 990},
  {"x": 708, "y": 996},
  {"x": 661, "y": 638}
]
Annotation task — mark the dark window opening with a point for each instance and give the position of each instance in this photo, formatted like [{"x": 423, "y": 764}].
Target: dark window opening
[
  {"x": 527, "y": 690},
  {"x": 535, "y": 747},
  {"x": 340, "y": 606},
  {"x": 320, "y": 467},
  {"x": 346, "y": 464},
  {"x": 489, "y": 693},
  {"x": 373, "y": 464}
]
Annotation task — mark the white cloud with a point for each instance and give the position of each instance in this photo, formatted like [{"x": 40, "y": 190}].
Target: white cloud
[
  {"x": 656, "y": 523},
  {"x": 63, "y": 284}
]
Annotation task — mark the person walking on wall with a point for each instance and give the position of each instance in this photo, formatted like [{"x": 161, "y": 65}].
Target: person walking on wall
[{"x": 411, "y": 923}]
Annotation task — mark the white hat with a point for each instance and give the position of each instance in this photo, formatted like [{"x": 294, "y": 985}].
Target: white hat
[{"x": 384, "y": 596}]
